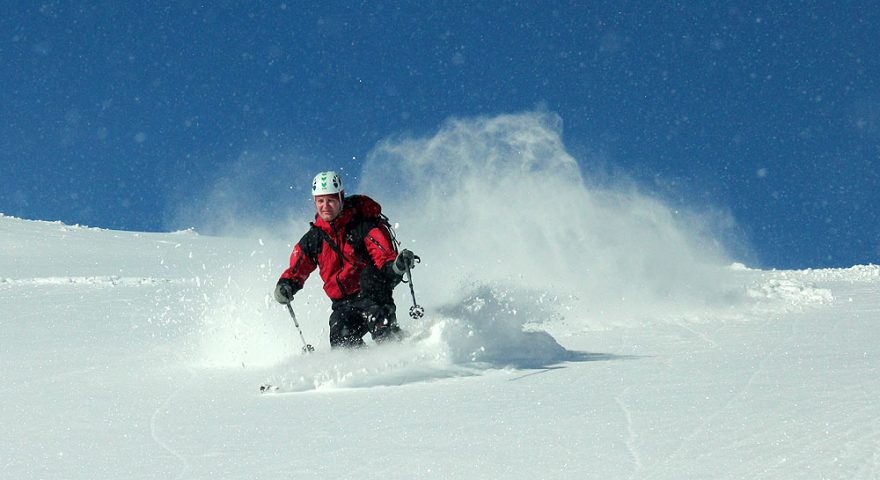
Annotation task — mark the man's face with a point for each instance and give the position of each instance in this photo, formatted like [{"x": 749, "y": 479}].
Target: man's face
[{"x": 328, "y": 207}]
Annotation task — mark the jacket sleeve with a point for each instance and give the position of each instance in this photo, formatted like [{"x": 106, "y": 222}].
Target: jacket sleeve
[
  {"x": 382, "y": 250},
  {"x": 302, "y": 263}
]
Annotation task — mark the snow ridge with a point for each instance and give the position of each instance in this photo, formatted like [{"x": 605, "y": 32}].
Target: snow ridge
[{"x": 101, "y": 280}]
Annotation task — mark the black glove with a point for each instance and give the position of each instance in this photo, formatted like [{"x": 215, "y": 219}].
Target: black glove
[
  {"x": 284, "y": 291},
  {"x": 405, "y": 260}
]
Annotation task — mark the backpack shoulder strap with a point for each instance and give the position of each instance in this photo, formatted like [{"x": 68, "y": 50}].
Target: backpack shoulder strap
[
  {"x": 323, "y": 235},
  {"x": 311, "y": 243}
]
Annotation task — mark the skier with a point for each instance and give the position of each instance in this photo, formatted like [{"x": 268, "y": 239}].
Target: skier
[{"x": 352, "y": 244}]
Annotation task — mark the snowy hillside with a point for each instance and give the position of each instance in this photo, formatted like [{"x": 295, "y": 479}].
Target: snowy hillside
[{"x": 132, "y": 355}]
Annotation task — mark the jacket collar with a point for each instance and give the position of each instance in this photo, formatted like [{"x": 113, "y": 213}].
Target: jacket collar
[{"x": 338, "y": 223}]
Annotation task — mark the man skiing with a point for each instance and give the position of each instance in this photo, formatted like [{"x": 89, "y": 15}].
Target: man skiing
[{"x": 351, "y": 243}]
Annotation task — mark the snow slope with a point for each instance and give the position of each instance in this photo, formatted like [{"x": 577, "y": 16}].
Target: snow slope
[
  {"x": 573, "y": 330},
  {"x": 132, "y": 355}
]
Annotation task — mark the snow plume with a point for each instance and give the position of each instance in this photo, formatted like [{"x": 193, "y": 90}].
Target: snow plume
[
  {"x": 501, "y": 200},
  {"x": 241, "y": 325},
  {"x": 514, "y": 242}
]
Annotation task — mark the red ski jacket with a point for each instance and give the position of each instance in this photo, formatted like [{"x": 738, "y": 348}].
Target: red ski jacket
[{"x": 354, "y": 252}]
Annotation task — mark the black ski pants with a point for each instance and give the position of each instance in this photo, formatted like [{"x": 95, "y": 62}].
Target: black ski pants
[{"x": 351, "y": 319}]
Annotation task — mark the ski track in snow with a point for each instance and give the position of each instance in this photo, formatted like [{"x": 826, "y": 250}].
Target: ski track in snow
[
  {"x": 665, "y": 469},
  {"x": 154, "y": 429},
  {"x": 632, "y": 435}
]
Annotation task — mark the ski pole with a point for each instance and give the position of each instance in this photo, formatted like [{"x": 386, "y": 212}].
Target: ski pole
[
  {"x": 306, "y": 347},
  {"x": 415, "y": 311}
]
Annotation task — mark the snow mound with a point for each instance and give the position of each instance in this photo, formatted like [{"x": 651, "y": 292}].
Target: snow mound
[
  {"x": 489, "y": 329},
  {"x": 792, "y": 291}
]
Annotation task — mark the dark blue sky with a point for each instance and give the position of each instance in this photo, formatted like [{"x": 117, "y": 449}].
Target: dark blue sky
[{"x": 115, "y": 112}]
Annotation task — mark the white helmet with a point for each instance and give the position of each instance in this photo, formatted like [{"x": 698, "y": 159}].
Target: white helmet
[{"x": 327, "y": 183}]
